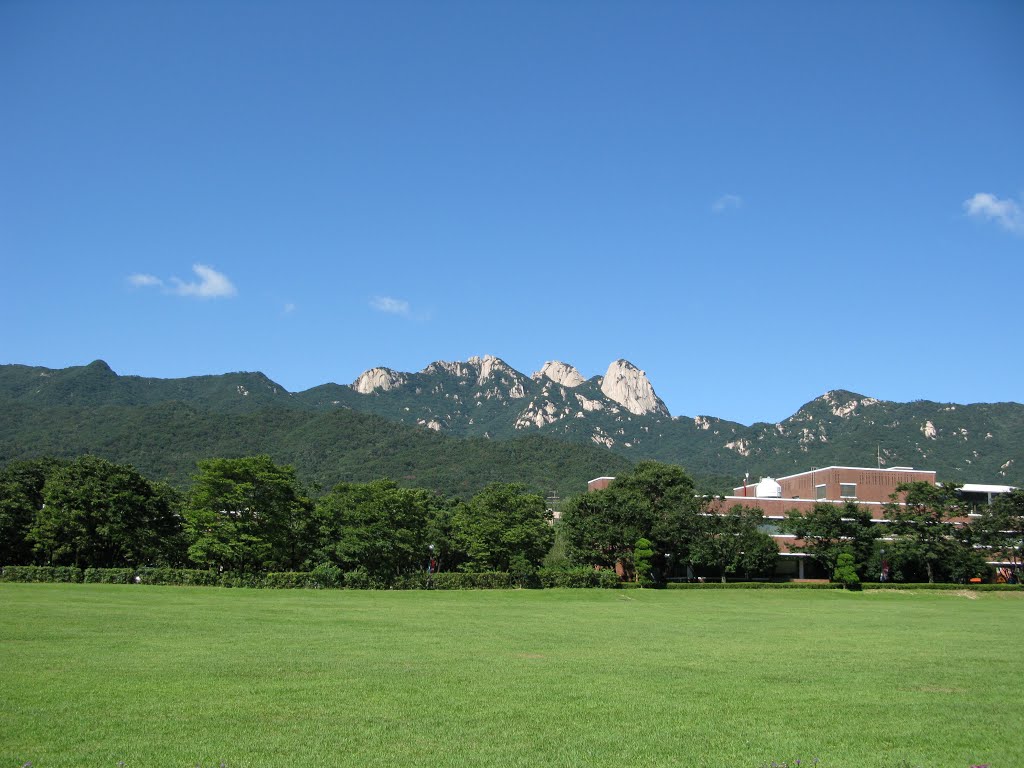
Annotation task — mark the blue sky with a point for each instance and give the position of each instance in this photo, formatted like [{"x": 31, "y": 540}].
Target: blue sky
[{"x": 753, "y": 202}]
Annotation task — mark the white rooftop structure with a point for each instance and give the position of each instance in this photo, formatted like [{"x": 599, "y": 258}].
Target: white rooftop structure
[
  {"x": 983, "y": 488},
  {"x": 768, "y": 489}
]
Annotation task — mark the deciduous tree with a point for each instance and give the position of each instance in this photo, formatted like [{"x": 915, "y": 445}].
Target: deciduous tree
[
  {"x": 21, "y": 499},
  {"x": 249, "y": 514},
  {"x": 97, "y": 513},
  {"x": 828, "y": 530},
  {"x": 503, "y": 527},
  {"x": 1000, "y": 529},
  {"x": 381, "y": 528},
  {"x": 656, "y": 502},
  {"x": 922, "y": 522},
  {"x": 733, "y": 543}
]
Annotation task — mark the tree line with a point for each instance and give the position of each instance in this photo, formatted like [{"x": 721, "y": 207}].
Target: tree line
[
  {"x": 250, "y": 515},
  {"x": 652, "y": 524},
  {"x": 930, "y": 535}
]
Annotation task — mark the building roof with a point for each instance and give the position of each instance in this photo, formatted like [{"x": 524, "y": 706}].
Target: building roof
[
  {"x": 858, "y": 469},
  {"x": 983, "y": 488}
]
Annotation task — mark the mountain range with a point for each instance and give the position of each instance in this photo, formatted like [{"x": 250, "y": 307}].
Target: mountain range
[{"x": 609, "y": 422}]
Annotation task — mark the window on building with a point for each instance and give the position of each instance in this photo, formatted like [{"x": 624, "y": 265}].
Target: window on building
[
  {"x": 819, "y": 491},
  {"x": 847, "y": 490}
]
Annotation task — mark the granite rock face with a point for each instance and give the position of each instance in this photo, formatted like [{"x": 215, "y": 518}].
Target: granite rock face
[
  {"x": 378, "y": 379},
  {"x": 628, "y": 386},
  {"x": 560, "y": 373},
  {"x": 490, "y": 367}
]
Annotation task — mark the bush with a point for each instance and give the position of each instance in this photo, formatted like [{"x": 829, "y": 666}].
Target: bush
[
  {"x": 846, "y": 572},
  {"x": 568, "y": 578},
  {"x": 184, "y": 577},
  {"x": 58, "y": 574},
  {"x": 328, "y": 575},
  {"x": 109, "y": 576},
  {"x": 642, "y": 562},
  {"x": 493, "y": 580},
  {"x": 581, "y": 577},
  {"x": 483, "y": 580},
  {"x": 945, "y": 587},
  {"x": 753, "y": 585},
  {"x": 523, "y": 574},
  {"x": 240, "y": 580},
  {"x": 289, "y": 580},
  {"x": 358, "y": 579},
  {"x": 417, "y": 580},
  {"x": 453, "y": 580}
]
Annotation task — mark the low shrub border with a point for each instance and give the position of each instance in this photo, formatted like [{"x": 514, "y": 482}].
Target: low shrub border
[
  {"x": 754, "y": 585},
  {"x": 328, "y": 577},
  {"x": 970, "y": 587},
  {"x": 41, "y": 573}
]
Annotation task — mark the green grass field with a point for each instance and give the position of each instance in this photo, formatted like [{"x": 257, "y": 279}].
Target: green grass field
[{"x": 162, "y": 676}]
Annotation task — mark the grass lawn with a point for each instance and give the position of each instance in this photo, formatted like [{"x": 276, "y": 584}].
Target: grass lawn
[{"x": 175, "y": 676}]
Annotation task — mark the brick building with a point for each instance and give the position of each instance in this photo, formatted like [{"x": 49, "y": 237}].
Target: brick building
[{"x": 871, "y": 489}]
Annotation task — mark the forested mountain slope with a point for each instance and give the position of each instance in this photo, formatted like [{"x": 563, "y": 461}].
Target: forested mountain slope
[
  {"x": 617, "y": 416},
  {"x": 165, "y": 440}
]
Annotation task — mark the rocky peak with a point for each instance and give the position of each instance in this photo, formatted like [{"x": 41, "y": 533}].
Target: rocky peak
[
  {"x": 628, "y": 386},
  {"x": 455, "y": 368},
  {"x": 560, "y": 373},
  {"x": 378, "y": 378},
  {"x": 488, "y": 365},
  {"x": 844, "y": 404}
]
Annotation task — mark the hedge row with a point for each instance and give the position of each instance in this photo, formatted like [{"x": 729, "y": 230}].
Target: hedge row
[
  {"x": 166, "y": 576},
  {"x": 320, "y": 578},
  {"x": 41, "y": 573},
  {"x": 830, "y": 585},
  {"x": 329, "y": 577},
  {"x": 973, "y": 587},
  {"x": 576, "y": 578},
  {"x": 754, "y": 586}
]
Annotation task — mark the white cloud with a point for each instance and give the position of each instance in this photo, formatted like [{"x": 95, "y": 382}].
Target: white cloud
[
  {"x": 144, "y": 281},
  {"x": 725, "y": 202},
  {"x": 390, "y": 305},
  {"x": 212, "y": 284},
  {"x": 1008, "y": 213}
]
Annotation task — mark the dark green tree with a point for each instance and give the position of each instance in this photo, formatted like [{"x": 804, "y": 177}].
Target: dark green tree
[
  {"x": 1000, "y": 529},
  {"x": 503, "y": 528},
  {"x": 846, "y": 571},
  {"x": 381, "y": 528},
  {"x": 922, "y": 523},
  {"x": 733, "y": 543},
  {"x": 21, "y": 499},
  {"x": 97, "y": 513},
  {"x": 643, "y": 557},
  {"x": 247, "y": 515},
  {"x": 829, "y": 530},
  {"x": 656, "y": 502}
]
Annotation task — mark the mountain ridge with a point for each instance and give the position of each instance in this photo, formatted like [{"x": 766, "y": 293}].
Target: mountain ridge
[{"x": 484, "y": 397}]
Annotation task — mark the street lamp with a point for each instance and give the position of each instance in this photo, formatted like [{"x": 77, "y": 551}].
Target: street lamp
[
  {"x": 668, "y": 565},
  {"x": 430, "y": 565}
]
